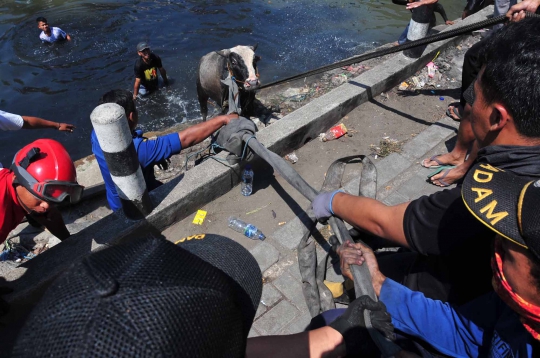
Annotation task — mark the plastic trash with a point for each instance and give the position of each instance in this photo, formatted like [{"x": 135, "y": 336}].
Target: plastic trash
[
  {"x": 248, "y": 230},
  {"x": 333, "y": 133},
  {"x": 199, "y": 217},
  {"x": 431, "y": 67},
  {"x": 247, "y": 181},
  {"x": 292, "y": 157}
]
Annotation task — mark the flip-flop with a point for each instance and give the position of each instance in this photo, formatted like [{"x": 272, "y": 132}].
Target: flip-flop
[
  {"x": 456, "y": 112},
  {"x": 433, "y": 159},
  {"x": 445, "y": 169}
]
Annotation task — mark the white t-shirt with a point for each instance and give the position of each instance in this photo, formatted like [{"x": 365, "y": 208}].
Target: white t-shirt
[
  {"x": 10, "y": 121},
  {"x": 56, "y": 34}
]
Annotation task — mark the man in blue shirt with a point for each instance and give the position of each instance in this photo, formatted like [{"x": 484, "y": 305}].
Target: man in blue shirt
[{"x": 150, "y": 151}]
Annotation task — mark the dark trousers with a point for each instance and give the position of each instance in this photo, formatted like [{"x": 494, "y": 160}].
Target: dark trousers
[{"x": 471, "y": 67}]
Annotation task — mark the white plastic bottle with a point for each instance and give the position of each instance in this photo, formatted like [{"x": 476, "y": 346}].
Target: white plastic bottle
[
  {"x": 248, "y": 230},
  {"x": 247, "y": 181}
]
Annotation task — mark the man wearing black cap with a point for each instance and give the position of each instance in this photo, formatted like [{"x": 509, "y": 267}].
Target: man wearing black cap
[
  {"x": 146, "y": 67},
  {"x": 450, "y": 258}
]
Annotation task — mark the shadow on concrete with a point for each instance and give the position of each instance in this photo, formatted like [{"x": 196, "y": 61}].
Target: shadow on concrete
[{"x": 455, "y": 93}]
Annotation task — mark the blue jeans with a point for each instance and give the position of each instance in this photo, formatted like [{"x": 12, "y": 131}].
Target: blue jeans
[{"x": 403, "y": 38}]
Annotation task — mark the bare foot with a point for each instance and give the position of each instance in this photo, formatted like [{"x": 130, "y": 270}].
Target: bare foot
[
  {"x": 455, "y": 112},
  {"x": 446, "y": 159},
  {"x": 450, "y": 176}
]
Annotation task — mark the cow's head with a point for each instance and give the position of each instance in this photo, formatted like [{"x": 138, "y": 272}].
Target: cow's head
[{"x": 242, "y": 64}]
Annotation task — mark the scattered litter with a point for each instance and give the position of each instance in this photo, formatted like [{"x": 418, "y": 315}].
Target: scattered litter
[
  {"x": 333, "y": 133},
  {"x": 431, "y": 69},
  {"x": 274, "y": 214},
  {"x": 432, "y": 92},
  {"x": 292, "y": 157},
  {"x": 264, "y": 304},
  {"x": 386, "y": 147},
  {"x": 339, "y": 79},
  {"x": 403, "y": 86},
  {"x": 199, "y": 217},
  {"x": 282, "y": 223},
  {"x": 441, "y": 98},
  {"x": 258, "y": 209}
]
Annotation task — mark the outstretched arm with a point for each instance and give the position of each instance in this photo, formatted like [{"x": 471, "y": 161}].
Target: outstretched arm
[
  {"x": 199, "y": 132},
  {"x": 36, "y": 122},
  {"x": 372, "y": 215}
]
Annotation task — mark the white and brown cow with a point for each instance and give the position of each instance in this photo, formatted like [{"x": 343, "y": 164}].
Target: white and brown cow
[{"x": 240, "y": 63}]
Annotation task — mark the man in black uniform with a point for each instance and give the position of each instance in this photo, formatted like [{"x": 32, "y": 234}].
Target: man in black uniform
[
  {"x": 146, "y": 67},
  {"x": 450, "y": 249}
]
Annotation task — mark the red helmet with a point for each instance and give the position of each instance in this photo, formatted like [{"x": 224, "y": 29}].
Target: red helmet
[{"x": 46, "y": 170}]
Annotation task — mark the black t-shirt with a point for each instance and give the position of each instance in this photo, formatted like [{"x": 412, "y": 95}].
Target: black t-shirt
[
  {"x": 455, "y": 247},
  {"x": 148, "y": 72}
]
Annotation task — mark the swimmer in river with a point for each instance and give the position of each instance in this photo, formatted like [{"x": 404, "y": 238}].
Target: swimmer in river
[{"x": 50, "y": 34}]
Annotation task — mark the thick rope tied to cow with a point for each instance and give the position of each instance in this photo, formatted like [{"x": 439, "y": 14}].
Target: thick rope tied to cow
[{"x": 425, "y": 41}]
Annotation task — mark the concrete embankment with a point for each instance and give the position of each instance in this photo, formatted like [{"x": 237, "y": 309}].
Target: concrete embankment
[{"x": 193, "y": 189}]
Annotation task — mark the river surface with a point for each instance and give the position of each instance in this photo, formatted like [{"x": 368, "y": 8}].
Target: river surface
[{"x": 63, "y": 82}]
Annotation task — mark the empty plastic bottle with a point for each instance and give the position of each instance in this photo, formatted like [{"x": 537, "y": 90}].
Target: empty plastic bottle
[
  {"x": 248, "y": 230},
  {"x": 247, "y": 181}
]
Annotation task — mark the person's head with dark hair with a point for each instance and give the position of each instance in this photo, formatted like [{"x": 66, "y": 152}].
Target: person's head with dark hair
[
  {"x": 43, "y": 25},
  {"x": 508, "y": 205},
  {"x": 124, "y": 99},
  {"x": 506, "y": 108},
  {"x": 148, "y": 297}
]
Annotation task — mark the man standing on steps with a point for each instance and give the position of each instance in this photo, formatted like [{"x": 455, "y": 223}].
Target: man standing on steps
[
  {"x": 150, "y": 151},
  {"x": 146, "y": 67}
]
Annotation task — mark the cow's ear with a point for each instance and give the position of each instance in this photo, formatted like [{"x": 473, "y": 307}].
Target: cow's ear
[
  {"x": 257, "y": 58},
  {"x": 224, "y": 53},
  {"x": 254, "y": 48}
]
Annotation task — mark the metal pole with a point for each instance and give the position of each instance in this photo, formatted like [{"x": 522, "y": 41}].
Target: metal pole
[
  {"x": 114, "y": 137},
  {"x": 418, "y": 29}
]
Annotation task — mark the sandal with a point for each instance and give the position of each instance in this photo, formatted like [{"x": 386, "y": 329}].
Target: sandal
[
  {"x": 433, "y": 159},
  {"x": 456, "y": 111},
  {"x": 445, "y": 169}
]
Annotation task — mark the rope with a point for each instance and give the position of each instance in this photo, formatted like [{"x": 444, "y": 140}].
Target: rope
[{"x": 426, "y": 40}]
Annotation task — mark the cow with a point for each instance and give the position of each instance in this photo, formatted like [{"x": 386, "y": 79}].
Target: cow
[{"x": 240, "y": 63}]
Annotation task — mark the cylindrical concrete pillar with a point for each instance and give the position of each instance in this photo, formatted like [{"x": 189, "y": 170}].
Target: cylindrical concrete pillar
[
  {"x": 418, "y": 29},
  {"x": 114, "y": 137}
]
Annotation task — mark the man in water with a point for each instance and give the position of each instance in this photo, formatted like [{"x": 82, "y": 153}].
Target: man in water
[
  {"x": 49, "y": 34},
  {"x": 146, "y": 66}
]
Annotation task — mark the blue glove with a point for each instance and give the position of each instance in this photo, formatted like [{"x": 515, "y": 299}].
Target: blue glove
[{"x": 322, "y": 205}]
